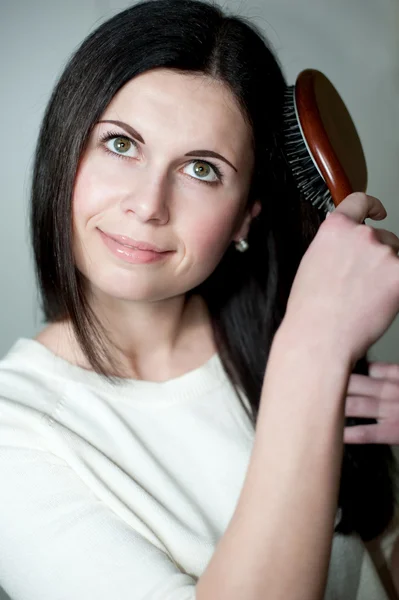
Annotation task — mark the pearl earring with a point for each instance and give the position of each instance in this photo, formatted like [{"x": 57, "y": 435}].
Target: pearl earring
[{"x": 242, "y": 245}]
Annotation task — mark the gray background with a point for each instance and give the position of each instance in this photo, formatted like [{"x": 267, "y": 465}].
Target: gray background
[{"x": 354, "y": 42}]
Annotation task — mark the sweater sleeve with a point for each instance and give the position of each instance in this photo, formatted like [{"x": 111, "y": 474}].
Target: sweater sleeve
[{"x": 60, "y": 542}]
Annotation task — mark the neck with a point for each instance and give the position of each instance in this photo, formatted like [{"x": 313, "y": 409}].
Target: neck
[{"x": 154, "y": 341}]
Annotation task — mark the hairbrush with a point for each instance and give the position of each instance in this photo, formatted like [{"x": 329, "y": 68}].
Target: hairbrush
[{"x": 321, "y": 143}]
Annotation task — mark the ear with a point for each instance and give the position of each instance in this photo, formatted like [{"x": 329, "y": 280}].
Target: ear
[{"x": 242, "y": 232}]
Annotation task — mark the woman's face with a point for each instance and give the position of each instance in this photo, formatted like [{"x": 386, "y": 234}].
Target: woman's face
[{"x": 174, "y": 173}]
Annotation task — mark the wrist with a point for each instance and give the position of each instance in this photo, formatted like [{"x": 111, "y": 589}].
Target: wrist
[
  {"x": 311, "y": 354},
  {"x": 304, "y": 392},
  {"x": 315, "y": 342}
]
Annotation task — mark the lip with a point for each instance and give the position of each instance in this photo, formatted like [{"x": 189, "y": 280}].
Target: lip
[
  {"x": 136, "y": 244},
  {"x": 132, "y": 254}
]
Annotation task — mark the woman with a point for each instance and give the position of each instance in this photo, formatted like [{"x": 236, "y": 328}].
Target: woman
[{"x": 167, "y": 234}]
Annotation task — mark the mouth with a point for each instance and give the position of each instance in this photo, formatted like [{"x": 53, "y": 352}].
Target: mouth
[
  {"x": 129, "y": 242},
  {"x": 132, "y": 251}
]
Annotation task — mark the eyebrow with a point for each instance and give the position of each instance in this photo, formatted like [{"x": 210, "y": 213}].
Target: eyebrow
[{"x": 135, "y": 134}]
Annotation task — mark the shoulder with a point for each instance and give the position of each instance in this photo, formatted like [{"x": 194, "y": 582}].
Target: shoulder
[
  {"x": 24, "y": 367},
  {"x": 39, "y": 367},
  {"x": 28, "y": 389},
  {"x": 60, "y": 340}
]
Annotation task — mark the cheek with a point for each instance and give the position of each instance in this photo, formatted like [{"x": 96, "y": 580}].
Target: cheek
[
  {"x": 209, "y": 238},
  {"x": 89, "y": 202},
  {"x": 93, "y": 192}
]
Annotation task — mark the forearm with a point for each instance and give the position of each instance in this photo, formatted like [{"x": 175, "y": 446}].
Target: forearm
[{"x": 278, "y": 542}]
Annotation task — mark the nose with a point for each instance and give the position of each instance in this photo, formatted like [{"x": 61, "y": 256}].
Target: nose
[{"x": 148, "y": 198}]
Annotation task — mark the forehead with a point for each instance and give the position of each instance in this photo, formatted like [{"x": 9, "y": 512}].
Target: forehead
[{"x": 187, "y": 106}]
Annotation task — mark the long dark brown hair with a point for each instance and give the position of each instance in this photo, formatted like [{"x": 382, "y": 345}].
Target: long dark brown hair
[{"x": 247, "y": 293}]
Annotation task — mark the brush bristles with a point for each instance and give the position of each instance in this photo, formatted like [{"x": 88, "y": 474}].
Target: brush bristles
[{"x": 308, "y": 179}]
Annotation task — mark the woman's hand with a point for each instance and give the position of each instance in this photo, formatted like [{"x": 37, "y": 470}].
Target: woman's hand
[
  {"x": 346, "y": 291},
  {"x": 377, "y": 397}
]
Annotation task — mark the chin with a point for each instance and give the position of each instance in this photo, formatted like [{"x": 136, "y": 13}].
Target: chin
[{"x": 127, "y": 291}]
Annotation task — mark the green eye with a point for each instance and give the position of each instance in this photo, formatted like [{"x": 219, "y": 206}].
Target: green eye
[
  {"x": 205, "y": 172},
  {"x": 122, "y": 144},
  {"x": 201, "y": 169}
]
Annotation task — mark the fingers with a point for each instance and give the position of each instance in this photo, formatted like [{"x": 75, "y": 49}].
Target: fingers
[
  {"x": 372, "y": 408},
  {"x": 383, "y": 370},
  {"x": 359, "y": 206},
  {"x": 383, "y": 387},
  {"x": 386, "y": 433},
  {"x": 372, "y": 398},
  {"x": 362, "y": 385},
  {"x": 388, "y": 238},
  {"x": 362, "y": 406}
]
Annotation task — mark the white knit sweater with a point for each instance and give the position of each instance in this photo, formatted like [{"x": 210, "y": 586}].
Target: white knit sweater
[{"x": 122, "y": 493}]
